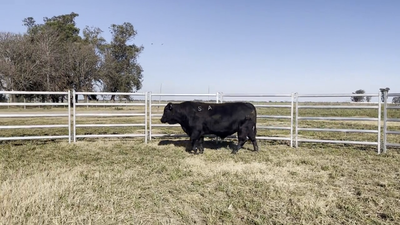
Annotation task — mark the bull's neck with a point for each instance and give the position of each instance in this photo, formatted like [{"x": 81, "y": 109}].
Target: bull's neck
[{"x": 182, "y": 119}]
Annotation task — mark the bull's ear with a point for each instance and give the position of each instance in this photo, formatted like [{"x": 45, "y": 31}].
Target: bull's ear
[{"x": 169, "y": 106}]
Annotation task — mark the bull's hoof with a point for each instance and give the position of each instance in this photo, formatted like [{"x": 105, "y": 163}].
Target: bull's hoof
[{"x": 234, "y": 152}]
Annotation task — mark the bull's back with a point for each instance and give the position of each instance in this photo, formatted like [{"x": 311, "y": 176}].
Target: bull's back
[
  {"x": 239, "y": 110},
  {"x": 228, "y": 110},
  {"x": 224, "y": 119}
]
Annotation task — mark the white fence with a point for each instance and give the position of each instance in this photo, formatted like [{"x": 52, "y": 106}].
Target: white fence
[
  {"x": 143, "y": 104},
  {"x": 390, "y": 121},
  {"x": 147, "y": 109},
  {"x": 307, "y": 105},
  {"x": 65, "y": 113}
]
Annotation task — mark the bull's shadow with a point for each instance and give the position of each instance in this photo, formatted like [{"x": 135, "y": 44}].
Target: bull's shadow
[{"x": 208, "y": 144}]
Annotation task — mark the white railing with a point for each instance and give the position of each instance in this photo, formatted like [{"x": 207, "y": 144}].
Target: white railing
[
  {"x": 143, "y": 103},
  {"x": 163, "y": 100},
  {"x": 32, "y": 115},
  {"x": 387, "y": 119},
  {"x": 306, "y": 105},
  {"x": 295, "y": 102},
  {"x": 260, "y": 101}
]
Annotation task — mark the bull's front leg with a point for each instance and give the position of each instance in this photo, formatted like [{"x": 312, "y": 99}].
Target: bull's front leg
[{"x": 195, "y": 141}]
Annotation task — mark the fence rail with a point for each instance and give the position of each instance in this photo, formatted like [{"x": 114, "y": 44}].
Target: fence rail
[
  {"x": 77, "y": 115},
  {"x": 354, "y": 118},
  {"x": 67, "y": 114},
  {"x": 293, "y": 104},
  {"x": 387, "y": 119}
]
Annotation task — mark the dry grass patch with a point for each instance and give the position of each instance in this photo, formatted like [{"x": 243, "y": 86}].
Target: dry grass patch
[{"x": 119, "y": 181}]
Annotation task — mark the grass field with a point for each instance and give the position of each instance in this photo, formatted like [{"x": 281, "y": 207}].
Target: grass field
[
  {"x": 124, "y": 181},
  {"x": 129, "y": 182}
]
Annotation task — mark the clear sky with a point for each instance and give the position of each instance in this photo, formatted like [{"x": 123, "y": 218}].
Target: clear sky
[{"x": 254, "y": 46}]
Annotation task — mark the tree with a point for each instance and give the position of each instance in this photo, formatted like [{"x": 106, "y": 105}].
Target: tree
[
  {"x": 81, "y": 67},
  {"x": 18, "y": 63},
  {"x": 120, "y": 70},
  {"x": 7, "y": 51},
  {"x": 396, "y": 100},
  {"x": 3, "y": 98},
  {"x": 384, "y": 92},
  {"x": 53, "y": 39},
  {"x": 49, "y": 57},
  {"x": 53, "y": 57},
  {"x": 358, "y": 98}
]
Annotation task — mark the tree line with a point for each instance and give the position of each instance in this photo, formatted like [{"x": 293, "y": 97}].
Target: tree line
[
  {"x": 368, "y": 98},
  {"x": 52, "y": 56}
]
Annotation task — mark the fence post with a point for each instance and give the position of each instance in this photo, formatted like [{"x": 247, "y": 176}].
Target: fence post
[
  {"x": 297, "y": 121},
  {"x": 291, "y": 119},
  {"x": 379, "y": 121},
  {"x": 150, "y": 117},
  {"x": 145, "y": 117},
  {"x": 74, "y": 110},
  {"x": 69, "y": 117},
  {"x": 384, "y": 92}
]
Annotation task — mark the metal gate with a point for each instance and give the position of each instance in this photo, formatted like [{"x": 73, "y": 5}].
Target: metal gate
[
  {"x": 390, "y": 121},
  {"x": 308, "y": 105},
  {"x": 142, "y": 104},
  {"x": 65, "y": 112}
]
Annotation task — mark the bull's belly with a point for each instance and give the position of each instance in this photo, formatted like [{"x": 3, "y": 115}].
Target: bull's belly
[
  {"x": 221, "y": 130},
  {"x": 221, "y": 134}
]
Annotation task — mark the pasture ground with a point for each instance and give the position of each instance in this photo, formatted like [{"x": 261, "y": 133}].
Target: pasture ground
[{"x": 124, "y": 181}]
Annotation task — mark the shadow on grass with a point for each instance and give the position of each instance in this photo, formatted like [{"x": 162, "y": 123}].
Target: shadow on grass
[
  {"x": 207, "y": 144},
  {"x": 30, "y": 142}
]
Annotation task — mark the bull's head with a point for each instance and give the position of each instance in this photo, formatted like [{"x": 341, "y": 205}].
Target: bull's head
[{"x": 169, "y": 114}]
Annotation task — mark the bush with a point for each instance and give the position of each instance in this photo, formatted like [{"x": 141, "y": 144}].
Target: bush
[
  {"x": 396, "y": 100},
  {"x": 3, "y": 98},
  {"x": 358, "y": 98}
]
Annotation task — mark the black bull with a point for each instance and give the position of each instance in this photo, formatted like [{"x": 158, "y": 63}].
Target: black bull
[{"x": 221, "y": 119}]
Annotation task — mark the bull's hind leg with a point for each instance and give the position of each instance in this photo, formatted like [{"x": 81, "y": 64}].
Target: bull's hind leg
[
  {"x": 252, "y": 136},
  {"x": 248, "y": 129},
  {"x": 200, "y": 144},
  {"x": 242, "y": 138}
]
